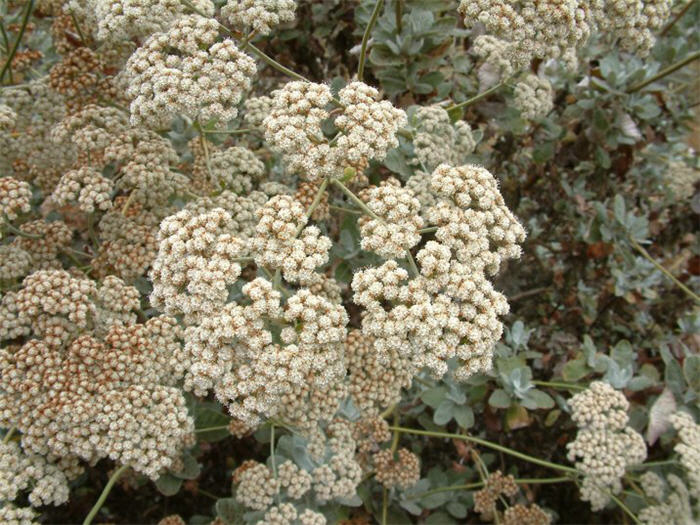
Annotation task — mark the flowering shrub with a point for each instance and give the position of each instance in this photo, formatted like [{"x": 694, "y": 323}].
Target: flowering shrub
[{"x": 349, "y": 262}]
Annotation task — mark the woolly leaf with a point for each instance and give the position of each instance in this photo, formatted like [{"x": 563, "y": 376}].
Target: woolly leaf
[
  {"x": 663, "y": 407},
  {"x": 499, "y": 399}
]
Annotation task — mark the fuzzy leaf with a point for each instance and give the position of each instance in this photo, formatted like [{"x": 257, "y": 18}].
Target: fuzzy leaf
[{"x": 663, "y": 407}]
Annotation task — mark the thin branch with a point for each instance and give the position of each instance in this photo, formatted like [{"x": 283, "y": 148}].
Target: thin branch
[
  {"x": 365, "y": 39},
  {"x": 25, "y": 20},
  {"x": 105, "y": 492},
  {"x": 665, "y": 72},
  {"x": 247, "y": 45},
  {"x": 663, "y": 270},
  {"x": 16, "y": 231},
  {"x": 677, "y": 18},
  {"x": 625, "y": 508},
  {"x": 555, "y": 384},
  {"x": 488, "y": 444},
  {"x": 527, "y": 293},
  {"x": 77, "y": 27},
  {"x": 476, "y": 98},
  {"x": 314, "y": 204},
  {"x": 8, "y": 435}
]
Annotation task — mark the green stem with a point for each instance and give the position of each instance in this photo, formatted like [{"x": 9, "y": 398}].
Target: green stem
[
  {"x": 272, "y": 460},
  {"x": 625, "y": 508},
  {"x": 479, "y": 484},
  {"x": 248, "y": 46},
  {"x": 663, "y": 270},
  {"x": 8, "y": 435},
  {"x": 385, "y": 505},
  {"x": 230, "y": 131},
  {"x": 16, "y": 231},
  {"x": 398, "y": 15},
  {"x": 207, "y": 494},
  {"x": 210, "y": 429},
  {"x": 365, "y": 39},
  {"x": 430, "y": 229},
  {"x": 314, "y": 204},
  {"x": 105, "y": 492},
  {"x": 476, "y": 98},
  {"x": 274, "y": 64},
  {"x": 344, "y": 210},
  {"x": 488, "y": 444},
  {"x": 655, "y": 464},
  {"x": 363, "y": 206},
  {"x": 665, "y": 72},
  {"x": 412, "y": 263},
  {"x": 677, "y": 18},
  {"x": 91, "y": 231},
  {"x": 555, "y": 384},
  {"x": 395, "y": 438},
  {"x": 6, "y": 49},
  {"x": 77, "y": 27},
  {"x": 25, "y": 20},
  {"x": 354, "y": 198}
]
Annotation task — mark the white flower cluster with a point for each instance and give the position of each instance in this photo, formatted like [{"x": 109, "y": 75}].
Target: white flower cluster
[
  {"x": 235, "y": 168},
  {"x": 14, "y": 198},
  {"x": 86, "y": 186},
  {"x": 49, "y": 238},
  {"x": 497, "y": 64},
  {"x": 374, "y": 380},
  {"x": 367, "y": 128},
  {"x": 551, "y": 28},
  {"x": 437, "y": 141},
  {"x": 605, "y": 445},
  {"x": 673, "y": 500},
  {"x": 196, "y": 262},
  {"x": 128, "y": 243},
  {"x": 533, "y": 97},
  {"x": 51, "y": 304},
  {"x": 450, "y": 309},
  {"x": 185, "y": 71},
  {"x": 46, "y": 482},
  {"x": 256, "y": 110},
  {"x": 242, "y": 210},
  {"x": 533, "y": 29},
  {"x": 233, "y": 352},
  {"x": 92, "y": 128},
  {"x": 13, "y": 515},
  {"x": 8, "y": 117},
  {"x": 126, "y": 19},
  {"x": 682, "y": 179},
  {"x": 118, "y": 387},
  {"x": 689, "y": 448},
  {"x": 282, "y": 242},
  {"x": 14, "y": 263},
  {"x": 259, "y": 15},
  {"x": 332, "y": 474},
  {"x": 394, "y": 227},
  {"x": 402, "y": 472}
]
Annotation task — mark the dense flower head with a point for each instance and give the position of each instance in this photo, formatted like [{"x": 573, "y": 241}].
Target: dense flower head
[
  {"x": 367, "y": 128},
  {"x": 87, "y": 187},
  {"x": 604, "y": 446},
  {"x": 15, "y": 196},
  {"x": 259, "y": 15},
  {"x": 185, "y": 71},
  {"x": 448, "y": 308},
  {"x": 125, "y": 19},
  {"x": 115, "y": 386},
  {"x": 437, "y": 140},
  {"x": 196, "y": 261}
]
